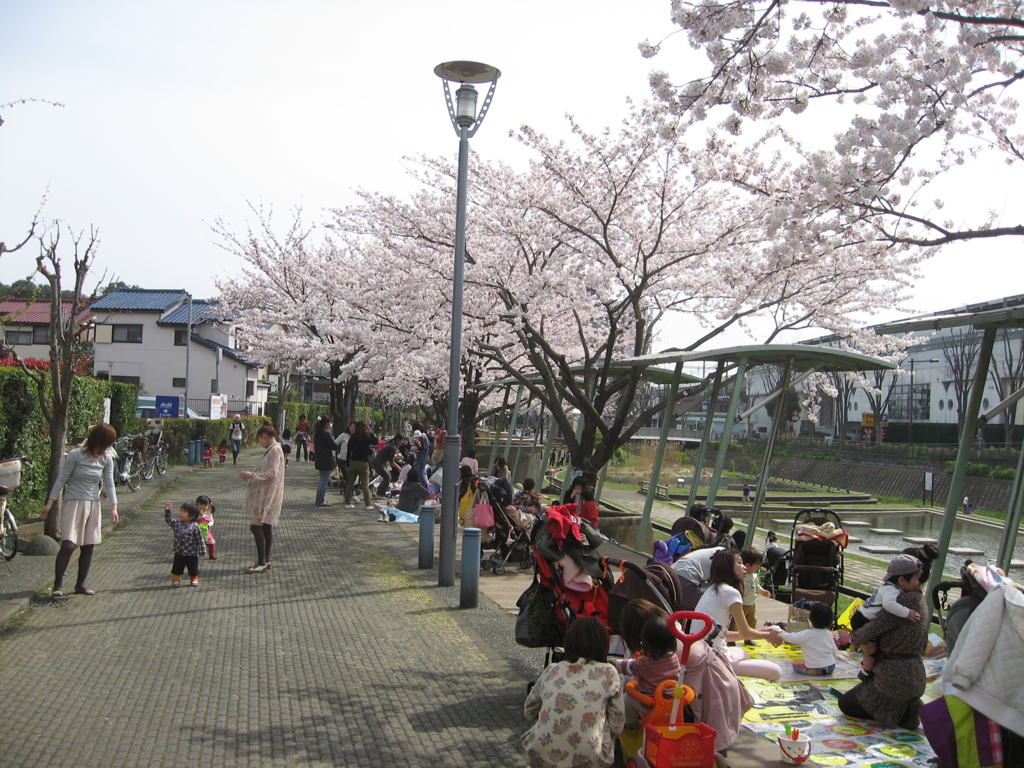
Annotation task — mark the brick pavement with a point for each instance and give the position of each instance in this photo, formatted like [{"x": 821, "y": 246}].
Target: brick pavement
[{"x": 344, "y": 654}]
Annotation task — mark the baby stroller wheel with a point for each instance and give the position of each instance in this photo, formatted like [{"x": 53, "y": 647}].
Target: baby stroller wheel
[
  {"x": 487, "y": 564},
  {"x": 526, "y": 562},
  {"x": 498, "y": 569}
]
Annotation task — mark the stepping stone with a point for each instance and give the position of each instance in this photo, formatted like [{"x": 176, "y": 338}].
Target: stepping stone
[
  {"x": 855, "y": 540},
  {"x": 855, "y": 524},
  {"x": 920, "y": 540},
  {"x": 1017, "y": 563},
  {"x": 874, "y": 549},
  {"x": 965, "y": 551},
  {"x": 783, "y": 521},
  {"x": 885, "y": 531}
]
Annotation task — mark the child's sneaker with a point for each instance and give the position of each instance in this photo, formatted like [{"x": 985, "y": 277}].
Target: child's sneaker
[
  {"x": 175, "y": 581},
  {"x": 865, "y": 675},
  {"x": 194, "y": 582}
]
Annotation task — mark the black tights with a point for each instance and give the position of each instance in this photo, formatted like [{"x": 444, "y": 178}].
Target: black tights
[
  {"x": 67, "y": 548},
  {"x": 264, "y": 535}
]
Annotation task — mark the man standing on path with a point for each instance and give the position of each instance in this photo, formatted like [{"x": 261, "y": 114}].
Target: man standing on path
[
  {"x": 236, "y": 434},
  {"x": 360, "y": 452}
]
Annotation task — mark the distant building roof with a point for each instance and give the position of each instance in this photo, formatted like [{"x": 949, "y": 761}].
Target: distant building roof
[
  {"x": 232, "y": 354},
  {"x": 202, "y": 311},
  {"x": 140, "y": 299},
  {"x": 34, "y": 311}
]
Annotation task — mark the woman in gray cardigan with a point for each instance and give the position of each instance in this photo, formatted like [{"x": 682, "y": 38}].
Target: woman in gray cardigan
[{"x": 80, "y": 513}]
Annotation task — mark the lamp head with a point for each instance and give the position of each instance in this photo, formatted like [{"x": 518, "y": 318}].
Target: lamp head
[{"x": 467, "y": 74}]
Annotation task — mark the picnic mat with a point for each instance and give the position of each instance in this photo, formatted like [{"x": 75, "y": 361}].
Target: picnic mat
[
  {"x": 811, "y": 704},
  {"x": 847, "y": 663}
]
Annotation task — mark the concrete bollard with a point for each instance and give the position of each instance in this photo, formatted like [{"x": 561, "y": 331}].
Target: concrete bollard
[
  {"x": 191, "y": 453},
  {"x": 426, "y": 537},
  {"x": 469, "y": 590}
]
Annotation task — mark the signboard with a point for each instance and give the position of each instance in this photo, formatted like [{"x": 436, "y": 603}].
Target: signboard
[
  {"x": 167, "y": 407},
  {"x": 929, "y": 479},
  {"x": 218, "y": 406},
  {"x": 867, "y": 419}
]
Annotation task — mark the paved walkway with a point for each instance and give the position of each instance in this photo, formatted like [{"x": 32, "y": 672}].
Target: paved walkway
[{"x": 344, "y": 654}]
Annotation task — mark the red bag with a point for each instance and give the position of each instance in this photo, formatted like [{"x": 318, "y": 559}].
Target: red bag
[{"x": 483, "y": 516}]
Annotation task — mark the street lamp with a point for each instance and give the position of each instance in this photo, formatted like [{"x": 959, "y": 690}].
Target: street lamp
[
  {"x": 466, "y": 123},
  {"x": 910, "y": 399}
]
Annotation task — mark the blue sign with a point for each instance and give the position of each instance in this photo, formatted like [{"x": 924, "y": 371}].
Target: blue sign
[{"x": 166, "y": 407}]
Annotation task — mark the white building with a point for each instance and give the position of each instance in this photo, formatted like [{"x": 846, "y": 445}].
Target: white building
[{"x": 141, "y": 337}]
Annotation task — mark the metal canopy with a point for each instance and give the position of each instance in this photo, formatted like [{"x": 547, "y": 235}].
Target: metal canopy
[
  {"x": 995, "y": 318},
  {"x": 989, "y": 322},
  {"x": 655, "y": 375},
  {"x": 800, "y": 356}
]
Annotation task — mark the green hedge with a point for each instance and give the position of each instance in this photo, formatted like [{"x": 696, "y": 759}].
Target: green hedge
[
  {"x": 313, "y": 411},
  {"x": 24, "y": 431}
]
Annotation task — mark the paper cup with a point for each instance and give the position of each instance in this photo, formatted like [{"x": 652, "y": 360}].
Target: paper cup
[{"x": 794, "y": 751}]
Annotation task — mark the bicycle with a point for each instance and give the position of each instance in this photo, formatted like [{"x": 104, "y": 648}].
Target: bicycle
[
  {"x": 156, "y": 459},
  {"x": 130, "y": 463},
  {"x": 10, "y": 478}
]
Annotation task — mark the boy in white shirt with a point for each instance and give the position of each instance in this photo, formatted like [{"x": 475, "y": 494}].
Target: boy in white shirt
[{"x": 817, "y": 644}]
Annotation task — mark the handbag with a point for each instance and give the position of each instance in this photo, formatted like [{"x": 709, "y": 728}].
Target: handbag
[
  {"x": 483, "y": 516},
  {"x": 536, "y": 625}
]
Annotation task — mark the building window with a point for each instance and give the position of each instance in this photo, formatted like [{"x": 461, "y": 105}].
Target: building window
[
  {"x": 250, "y": 388},
  {"x": 136, "y": 380},
  {"x": 901, "y": 400},
  {"x": 128, "y": 334},
  {"x": 942, "y": 404},
  {"x": 180, "y": 383},
  {"x": 41, "y": 334},
  {"x": 180, "y": 337},
  {"x": 18, "y": 337},
  {"x": 103, "y": 375}
]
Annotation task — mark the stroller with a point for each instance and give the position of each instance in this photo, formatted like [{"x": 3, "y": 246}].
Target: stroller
[
  {"x": 512, "y": 528},
  {"x": 815, "y": 558},
  {"x": 570, "y": 579}
]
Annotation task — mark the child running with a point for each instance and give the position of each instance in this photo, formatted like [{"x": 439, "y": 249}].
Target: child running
[
  {"x": 222, "y": 451},
  {"x": 206, "y": 510},
  {"x": 657, "y": 663},
  {"x": 207, "y": 455},
  {"x": 902, "y": 575},
  {"x": 188, "y": 542},
  {"x": 817, "y": 644}
]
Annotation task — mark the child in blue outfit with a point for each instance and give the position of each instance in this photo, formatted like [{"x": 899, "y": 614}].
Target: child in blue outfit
[{"x": 189, "y": 543}]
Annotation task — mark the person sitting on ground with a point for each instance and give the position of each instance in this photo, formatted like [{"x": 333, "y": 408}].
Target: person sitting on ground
[
  {"x": 528, "y": 492},
  {"x": 723, "y": 602},
  {"x": 657, "y": 662},
  {"x": 576, "y": 706},
  {"x": 898, "y": 578},
  {"x": 386, "y": 462},
  {"x": 576, "y": 486},
  {"x": 469, "y": 460},
  {"x": 410, "y": 497},
  {"x": 817, "y": 644},
  {"x": 721, "y": 698}
]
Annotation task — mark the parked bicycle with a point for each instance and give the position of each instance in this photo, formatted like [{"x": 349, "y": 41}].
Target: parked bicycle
[
  {"x": 156, "y": 459},
  {"x": 10, "y": 478},
  {"x": 131, "y": 461}
]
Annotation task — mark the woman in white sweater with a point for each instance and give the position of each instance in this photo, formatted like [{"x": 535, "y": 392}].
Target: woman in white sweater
[{"x": 80, "y": 513}]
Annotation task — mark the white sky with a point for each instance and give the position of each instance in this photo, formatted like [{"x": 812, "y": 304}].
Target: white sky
[{"x": 175, "y": 112}]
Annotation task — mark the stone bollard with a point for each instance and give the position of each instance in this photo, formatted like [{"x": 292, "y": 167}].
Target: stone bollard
[
  {"x": 469, "y": 590},
  {"x": 426, "y": 537}
]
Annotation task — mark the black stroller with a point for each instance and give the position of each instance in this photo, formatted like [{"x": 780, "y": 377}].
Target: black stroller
[{"x": 512, "y": 529}]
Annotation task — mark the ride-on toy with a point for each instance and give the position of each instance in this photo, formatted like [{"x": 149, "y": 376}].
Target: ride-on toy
[{"x": 665, "y": 739}]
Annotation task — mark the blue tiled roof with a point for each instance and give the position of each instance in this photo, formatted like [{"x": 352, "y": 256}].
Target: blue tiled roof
[
  {"x": 201, "y": 312},
  {"x": 141, "y": 299},
  {"x": 233, "y": 354}
]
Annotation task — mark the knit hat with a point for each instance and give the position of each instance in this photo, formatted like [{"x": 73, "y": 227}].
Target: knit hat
[
  {"x": 417, "y": 433},
  {"x": 902, "y": 565}
]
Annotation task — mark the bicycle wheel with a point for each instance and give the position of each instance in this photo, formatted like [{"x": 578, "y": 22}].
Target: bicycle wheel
[
  {"x": 148, "y": 467},
  {"x": 134, "y": 476},
  {"x": 8, "y": 536},
  {"x": 161, "y": 463}
]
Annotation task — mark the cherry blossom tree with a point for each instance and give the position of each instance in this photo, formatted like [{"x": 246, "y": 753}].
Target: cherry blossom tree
[
  {"x": 917, "y": 89},
  {"x": 572, "y": 263}
]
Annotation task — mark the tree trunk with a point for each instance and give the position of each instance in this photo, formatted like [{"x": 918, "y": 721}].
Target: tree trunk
[{"x": 58, "y": 439}]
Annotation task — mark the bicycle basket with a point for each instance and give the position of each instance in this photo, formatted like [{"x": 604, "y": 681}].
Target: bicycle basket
[{"x": 10, "y": 473}]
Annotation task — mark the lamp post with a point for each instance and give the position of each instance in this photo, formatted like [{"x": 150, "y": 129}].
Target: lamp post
[
  {"x": 910, "y": 399},
  {"x": 188, "y": 352},
  {"x": 466, "y": 122}
]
